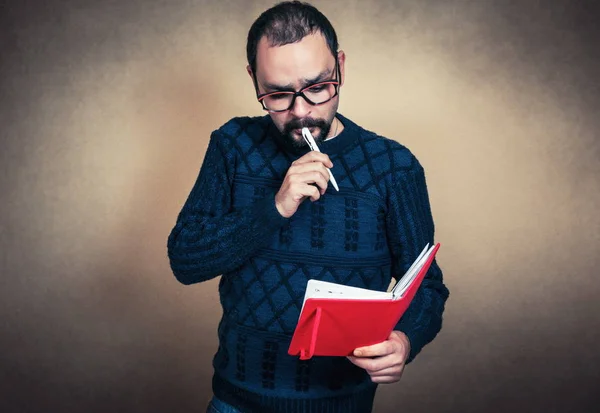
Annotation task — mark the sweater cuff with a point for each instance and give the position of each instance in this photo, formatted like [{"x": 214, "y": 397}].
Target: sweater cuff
[
  {"x": 415, "y": 339},
  {"x": 415, "y": 346}
]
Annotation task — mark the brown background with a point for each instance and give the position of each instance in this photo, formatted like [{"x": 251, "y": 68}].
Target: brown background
[{"x": 106, "y": 108}]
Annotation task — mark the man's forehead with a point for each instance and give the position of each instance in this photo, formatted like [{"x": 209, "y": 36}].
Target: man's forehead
[
  {"x": 309, "y": 58},
  {"x": 315, "y": 40}
]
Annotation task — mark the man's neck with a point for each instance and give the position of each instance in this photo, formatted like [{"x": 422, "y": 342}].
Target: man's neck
[{"x": 339, "y": 127}]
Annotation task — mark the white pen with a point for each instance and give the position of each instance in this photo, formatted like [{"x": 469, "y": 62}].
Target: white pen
[{"x": 313, "y": 146}]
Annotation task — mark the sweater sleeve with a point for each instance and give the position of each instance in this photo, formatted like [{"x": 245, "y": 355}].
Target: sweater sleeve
[
  {"x": 210, "y": 237},
  {"x": 410, "y": 227}
]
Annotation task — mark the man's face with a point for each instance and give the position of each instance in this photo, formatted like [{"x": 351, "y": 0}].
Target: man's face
[{"x": 293, "y": 67}]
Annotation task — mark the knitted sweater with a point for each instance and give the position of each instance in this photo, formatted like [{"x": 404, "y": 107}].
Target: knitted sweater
[{"x": 369, "y": 231}]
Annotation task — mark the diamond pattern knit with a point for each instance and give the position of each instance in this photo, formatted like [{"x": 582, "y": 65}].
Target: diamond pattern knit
[{"x": 369, "y": 231}]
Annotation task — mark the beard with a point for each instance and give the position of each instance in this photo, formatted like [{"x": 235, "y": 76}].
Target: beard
[{"x": 322, "y": 124}]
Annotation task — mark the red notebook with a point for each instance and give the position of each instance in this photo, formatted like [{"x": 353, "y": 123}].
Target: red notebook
[{"x": 336, "y": 319}]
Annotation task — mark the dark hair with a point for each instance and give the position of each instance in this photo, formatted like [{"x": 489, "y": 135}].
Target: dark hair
[{"x": 288, "y": 22}]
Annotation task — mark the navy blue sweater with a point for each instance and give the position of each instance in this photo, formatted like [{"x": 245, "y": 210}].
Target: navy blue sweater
[{"x": 369, "y": 231}]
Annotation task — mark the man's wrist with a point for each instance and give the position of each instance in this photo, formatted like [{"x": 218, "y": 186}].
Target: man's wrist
[
  {"x": 403, "y": 338},
  {"x": 280, "y": 208}
]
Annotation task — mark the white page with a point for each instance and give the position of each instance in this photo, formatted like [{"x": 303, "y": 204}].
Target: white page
[
  {"x": 416, "y": 261},
  {"x": 410, "y": 269},
  {"x": 403, "y": 284},
  {"x": 324, "y": 289}
]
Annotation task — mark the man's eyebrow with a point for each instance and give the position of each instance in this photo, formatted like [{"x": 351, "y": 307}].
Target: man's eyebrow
[{"x": 323, "y": 76}]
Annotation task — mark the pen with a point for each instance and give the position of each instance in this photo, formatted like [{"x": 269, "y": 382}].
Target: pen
[{"x": 313, "y": 146}]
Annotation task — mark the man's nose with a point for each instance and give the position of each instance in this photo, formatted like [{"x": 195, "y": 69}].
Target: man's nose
[{"x": 301, "y": 107}]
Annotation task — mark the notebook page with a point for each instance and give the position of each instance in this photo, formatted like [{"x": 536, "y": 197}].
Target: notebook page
[
  {"x": 324, "y": 289},
  {"x": 406, "y": 280},
  {"x": 410, "y": 270}
]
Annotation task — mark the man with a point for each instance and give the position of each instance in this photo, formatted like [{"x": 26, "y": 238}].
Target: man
[{"x": 262, "y": 214}]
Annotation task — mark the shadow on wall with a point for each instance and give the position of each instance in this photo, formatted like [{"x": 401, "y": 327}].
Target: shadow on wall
[
  {"x": 175, "y": 112},
  {"x": 125, "y": 333}
]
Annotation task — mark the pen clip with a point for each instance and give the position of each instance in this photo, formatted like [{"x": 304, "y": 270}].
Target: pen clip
[
  {"x": 309, "y": 139},
  {"x": 313, "y": 147}
]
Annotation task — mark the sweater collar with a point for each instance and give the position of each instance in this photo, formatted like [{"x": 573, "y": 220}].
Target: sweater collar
[{"x": 331, "y": 147}]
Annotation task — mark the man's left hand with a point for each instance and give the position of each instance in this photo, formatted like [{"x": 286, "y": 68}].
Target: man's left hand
[{"x": 384, "y": 361}]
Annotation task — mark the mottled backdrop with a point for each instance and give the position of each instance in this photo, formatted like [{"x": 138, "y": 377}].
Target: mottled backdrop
[{"x": 106, "y": 108}]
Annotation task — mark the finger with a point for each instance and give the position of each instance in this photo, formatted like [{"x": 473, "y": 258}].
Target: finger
[
  {"x": 376, "y": 350},
  {"x": 390, "y": 371},
  {"x": 304, "y": 190},
  {"x": 313, "y": 177},
  {"x": 359, "y": 362},
  {"x": 320, "y": 180},
  {"x": 373, "y": 365},
  {"x": 385, "y": 379},
  {"x": 309, "y": 167},
  {"x": 314, "y": 156}
]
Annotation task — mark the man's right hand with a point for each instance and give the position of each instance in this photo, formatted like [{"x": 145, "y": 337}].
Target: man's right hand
[{"x": 296, "y": 186}]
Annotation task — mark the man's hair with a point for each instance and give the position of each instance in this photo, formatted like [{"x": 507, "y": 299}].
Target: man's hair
[{"x": 288, "y": 22}]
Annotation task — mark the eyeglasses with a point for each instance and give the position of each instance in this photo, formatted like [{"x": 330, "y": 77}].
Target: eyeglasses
[{"x": 315, "y": 94}]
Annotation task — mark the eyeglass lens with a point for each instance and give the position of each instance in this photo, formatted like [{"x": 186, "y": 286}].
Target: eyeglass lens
[{"x": 316, "y": 94}]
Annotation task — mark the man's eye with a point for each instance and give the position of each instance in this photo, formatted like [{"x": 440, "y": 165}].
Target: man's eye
[
  {"x": 317, "y": 88},
  {"x": 278, "y": 96}
]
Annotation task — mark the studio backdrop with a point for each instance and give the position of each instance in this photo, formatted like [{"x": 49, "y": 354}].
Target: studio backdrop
[{"x": 106, "y": 110}]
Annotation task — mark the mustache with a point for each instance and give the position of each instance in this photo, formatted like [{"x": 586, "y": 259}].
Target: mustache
[{"x": 304, "y": 123}]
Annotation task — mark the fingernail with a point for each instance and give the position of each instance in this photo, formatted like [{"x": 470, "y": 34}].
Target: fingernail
[{"x": 358, "y": 353}]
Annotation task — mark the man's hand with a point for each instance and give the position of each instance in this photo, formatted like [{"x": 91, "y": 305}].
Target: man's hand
[
  {"x": 384, "y": 361},
  {"x": 296, "y": 186}
]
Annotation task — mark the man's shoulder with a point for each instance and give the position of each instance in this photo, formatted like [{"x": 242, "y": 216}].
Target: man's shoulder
[
  {"x": 388, "y": 151},
  {"x": 245, "y": 126},
  {"x": 241, "y": 136}
]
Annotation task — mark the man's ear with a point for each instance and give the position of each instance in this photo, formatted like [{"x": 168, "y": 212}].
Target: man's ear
[
  {"x": 249, "y": 70},
  {"x": 342, "y": 64}
]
